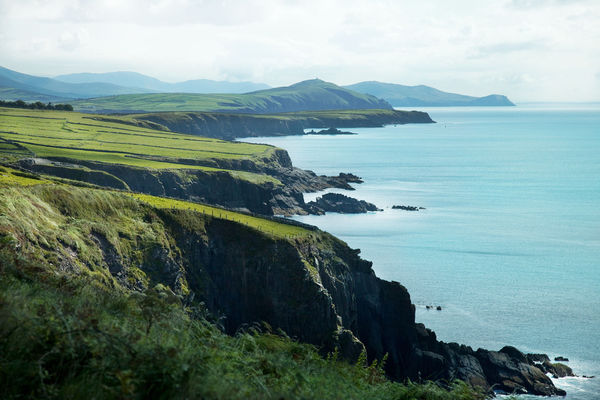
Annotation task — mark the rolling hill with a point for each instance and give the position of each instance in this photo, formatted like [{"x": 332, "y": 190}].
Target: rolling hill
[
  {"x": 32, "y": 88},
  {"x": 424, "y": 96},
  {"x": 18, "y": 86},
  {"x": 310, "y": 95},
  {"x": 148, "y": 83}
]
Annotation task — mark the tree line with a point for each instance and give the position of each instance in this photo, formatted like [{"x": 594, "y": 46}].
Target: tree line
[{"x": 38, "y": 105}]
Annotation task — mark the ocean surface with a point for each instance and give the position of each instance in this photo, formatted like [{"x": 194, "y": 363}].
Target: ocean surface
[{"x": 509, "y": 243}]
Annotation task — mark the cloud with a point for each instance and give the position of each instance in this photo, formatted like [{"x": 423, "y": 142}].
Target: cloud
[{"x": 461, "y": 46}]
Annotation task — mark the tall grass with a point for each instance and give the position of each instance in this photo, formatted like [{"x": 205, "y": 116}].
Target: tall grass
[{"x": 67, "y": 337}]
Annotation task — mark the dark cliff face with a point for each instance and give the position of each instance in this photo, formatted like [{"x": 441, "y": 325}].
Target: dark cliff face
[
  {"x": 313, "y": 287},
  {"x": 221, "y": 188},
  {"x": 320, "y": 291},
  {"x": 231, "y": 126}
]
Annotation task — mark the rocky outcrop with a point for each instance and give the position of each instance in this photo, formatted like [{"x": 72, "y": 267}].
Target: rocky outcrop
[
  {"x": 335, "y": 202},
  {"x": 220, "y": 188},
  {"x": 330, "y": 131}
]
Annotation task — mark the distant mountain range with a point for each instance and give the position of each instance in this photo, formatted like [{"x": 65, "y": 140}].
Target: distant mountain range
[
  {"x": 15, "y": 85},
  {"x": 424, "y": 96},
  {"x": 134, "y": 92},
  {"x": 143, "y": 83}
]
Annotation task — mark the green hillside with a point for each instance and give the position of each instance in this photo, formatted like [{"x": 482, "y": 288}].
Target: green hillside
[
  {"x": 33, "y": 87},
  {"x": 73, "y": 327},
  {"x": 309, "y": 95},
  {"x": 76, "y": 136},
  {"x": 424, "y": 96}
]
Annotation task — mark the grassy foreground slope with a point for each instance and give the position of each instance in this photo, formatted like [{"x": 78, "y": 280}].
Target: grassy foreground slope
[
  {"x": 70, "y": 327},
  {"x": 308, "y": 95},
  {"x": 76, "y": 136}
]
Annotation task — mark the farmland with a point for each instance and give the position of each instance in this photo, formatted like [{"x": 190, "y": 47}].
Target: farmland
[{"x": 76, "y": 136}]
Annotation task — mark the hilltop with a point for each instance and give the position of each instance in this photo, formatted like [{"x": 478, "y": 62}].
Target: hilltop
[
  {"x": 18, "y": 86},
  {"x": 310, "y": 95},
  {"x": 424, "y": 96}
]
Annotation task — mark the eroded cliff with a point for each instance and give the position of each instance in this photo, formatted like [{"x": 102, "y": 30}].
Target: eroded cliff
[{"x": 310, "y": 284}]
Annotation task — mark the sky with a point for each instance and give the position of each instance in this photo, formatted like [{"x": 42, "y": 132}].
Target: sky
[{"x": 529, "y": 50}]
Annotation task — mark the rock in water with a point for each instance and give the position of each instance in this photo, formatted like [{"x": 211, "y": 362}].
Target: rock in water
[
  {"x": 407, "y": 208},
  {"x": 335, "y": 202}
]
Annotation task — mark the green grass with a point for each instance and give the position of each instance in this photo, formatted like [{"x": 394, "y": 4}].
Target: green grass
[
  {"x": 70, "y": 329},
  {"x": 313, "y": 94},
  {"x": 12, "y": 177},
  {"x": 81, "y": 137},
  {"x": 269, "y": 227},
  {"x": 66, "y": 337}
]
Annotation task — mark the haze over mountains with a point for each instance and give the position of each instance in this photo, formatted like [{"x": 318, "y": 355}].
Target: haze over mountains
[
  {"x": 145, "y": 83},
  {"x": 135, "y": 92},
  {"x": 425, "y": 96}
]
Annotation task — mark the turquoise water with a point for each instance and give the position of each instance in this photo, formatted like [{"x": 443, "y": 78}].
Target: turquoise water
[{"x": 509, "y": 243}]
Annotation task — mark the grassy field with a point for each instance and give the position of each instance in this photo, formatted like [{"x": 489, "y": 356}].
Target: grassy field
[
  {"x": 273, "y": 228},
  {"x": 80, "y": 137},
  {"x": 307, "y": 95},
  {"x": 11, "y": 177}
]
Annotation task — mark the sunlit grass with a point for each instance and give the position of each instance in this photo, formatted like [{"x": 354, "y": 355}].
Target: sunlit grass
[
  {"x": 60, "y": 134},
  {"x": 263, "y": 225}
]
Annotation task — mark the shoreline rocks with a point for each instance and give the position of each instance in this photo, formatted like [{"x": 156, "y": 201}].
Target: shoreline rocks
[{"x": 335, "y": 202}]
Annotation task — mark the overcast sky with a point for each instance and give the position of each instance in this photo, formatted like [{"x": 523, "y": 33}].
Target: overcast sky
[{"x": 530, "y": 50}]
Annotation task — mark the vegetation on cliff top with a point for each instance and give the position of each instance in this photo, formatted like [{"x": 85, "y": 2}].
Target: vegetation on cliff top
[
  {"x": 71, "y": 328},
  {"x": 76, "y": 136}
]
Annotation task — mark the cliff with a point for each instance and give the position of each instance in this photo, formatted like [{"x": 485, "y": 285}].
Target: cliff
[
  {"x": 231, "y": 126},
  {"x": 279, "y": 193},
  {"x": 308, "y": 284}
]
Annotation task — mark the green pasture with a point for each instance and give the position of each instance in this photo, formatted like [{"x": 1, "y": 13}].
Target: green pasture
[{"x": 81, "y": 137}]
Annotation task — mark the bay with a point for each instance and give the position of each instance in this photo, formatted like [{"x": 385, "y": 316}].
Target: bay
[{"x": 509, "y": 242}]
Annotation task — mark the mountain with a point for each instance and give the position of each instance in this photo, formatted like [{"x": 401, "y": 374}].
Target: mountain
[
  {"x": 18, "y": 86},
  {"x": 32, "y": 87},
  {"x": 425, "y": 96},
  {"x": 310, "y": 95},
  {"x": 134, "y": 79}
]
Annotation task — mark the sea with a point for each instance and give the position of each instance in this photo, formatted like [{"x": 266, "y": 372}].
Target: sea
[{"x": 509, "y": 241}]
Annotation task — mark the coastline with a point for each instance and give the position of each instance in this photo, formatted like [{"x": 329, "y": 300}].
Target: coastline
[{"x": 416, "y": 234}]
